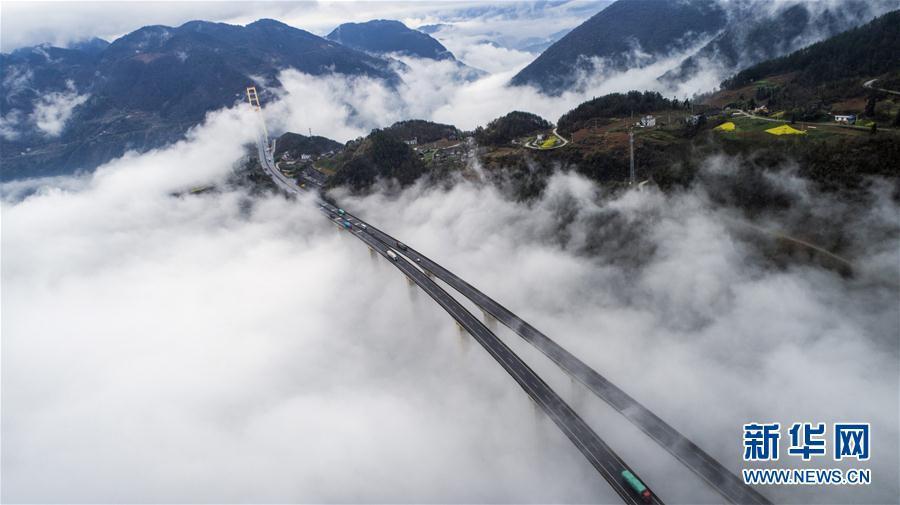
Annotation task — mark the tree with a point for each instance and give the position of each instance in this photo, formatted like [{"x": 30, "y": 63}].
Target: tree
[
  {"x": 614, "y": 105},
  {"x": 870, "y": 106},
  {"x": 862, "y": 52},
  {"x": 874, "y": 128},
  {"x": 504, "y": 129}
]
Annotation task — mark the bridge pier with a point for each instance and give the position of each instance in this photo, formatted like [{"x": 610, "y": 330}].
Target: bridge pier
[
  {"x": 413, "y": 292},
  {"x": 373, "y": 254},
  {"x": 463, "y": 337},
  {"x": 537, "y": 412},
  {"x": 539, "y": 422},
  {"x": 489, "y": 320},
  {"x": 577, "y": 390}
]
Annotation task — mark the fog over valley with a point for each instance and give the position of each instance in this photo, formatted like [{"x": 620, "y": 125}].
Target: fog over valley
[
  {"x": 190, "y": 346},
  {"x": 177, "y": 328}
]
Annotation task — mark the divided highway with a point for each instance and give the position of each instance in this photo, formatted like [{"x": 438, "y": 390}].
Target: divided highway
[
  {"x": 610, "y": 466},
  {"x": 267, "y": 160},
  {"x": 601, "y": 456},
  {"x": 598, "y": 453},
  {"x": 727, "y": 484}
]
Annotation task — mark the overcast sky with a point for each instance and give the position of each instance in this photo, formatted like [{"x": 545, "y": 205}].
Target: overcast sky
[{"x": 30, "y": 23}]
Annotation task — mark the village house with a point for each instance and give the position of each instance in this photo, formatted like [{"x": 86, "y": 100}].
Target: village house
[{"x": 845, "y": 118}]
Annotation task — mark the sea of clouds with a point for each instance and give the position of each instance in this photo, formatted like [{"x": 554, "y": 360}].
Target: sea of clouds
[
  {"x": 225, "y": 347},
  {"x": 497, "y": 38},
  {"x": 160, "y": 346},
  {"x": 511, "y": 24},
  {"x": 343, "y": 108}
]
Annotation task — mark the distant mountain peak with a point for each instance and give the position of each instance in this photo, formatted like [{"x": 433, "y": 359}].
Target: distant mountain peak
[
  {"x": 710, "y": 35},
  {"x": 382, "y": 36},
  {"x": 270, "y": 23},
  {"x": 91, "y": 46},
  {"x": 615, "y": 34},
  {"x": 386, "y": 22},
  {"x": 756, "y": 35},
  {"x": 148, "y": 87}
]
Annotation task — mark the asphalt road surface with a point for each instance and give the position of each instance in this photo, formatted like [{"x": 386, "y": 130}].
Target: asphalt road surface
[
  {"x": 598, "y": 453},
  {"x": 267, "y": 162},
  {"x": 871, "y": 85},
  {"x": 727, "y": 484}
]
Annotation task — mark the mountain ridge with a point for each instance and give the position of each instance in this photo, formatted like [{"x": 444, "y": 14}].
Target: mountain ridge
[
  {"x": 750, "y": 38},
  {"x": 384, "y": 36},
  {"x": 146, "y": 88},
  {"x": 617, "y": 33},
  {"x": 717, "y": 37}
]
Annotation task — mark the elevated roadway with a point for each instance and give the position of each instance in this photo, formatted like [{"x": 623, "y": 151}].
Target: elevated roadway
[
  {"x": 267, "y": 161},
  {"x": 598, "y": 453},
  {"x": 727, "y": 484},
  {"x": 607, "y": 463}
]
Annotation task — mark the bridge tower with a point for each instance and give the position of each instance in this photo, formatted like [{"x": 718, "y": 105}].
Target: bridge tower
[{"x": 253, "y": 99}]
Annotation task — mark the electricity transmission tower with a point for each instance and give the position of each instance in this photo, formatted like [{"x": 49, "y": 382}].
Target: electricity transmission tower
[{"x": 632, "y": 178}]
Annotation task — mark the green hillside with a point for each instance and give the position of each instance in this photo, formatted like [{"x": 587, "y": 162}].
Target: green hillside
[
  {"x": 867, "y": 51},
  {"x": 504, "y": 129}
]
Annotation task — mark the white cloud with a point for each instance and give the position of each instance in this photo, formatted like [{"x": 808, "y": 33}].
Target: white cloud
[
  {"x": 52, "y": 110},
  {"x": 334, "y": 106},
  {"x": 344, "y": 107},
  {"x": 16, "y": 79},
  {"x": 185, "y": 349},
  {"x": 511, "y": 25},
  {"x": 66, "y": 22},
  {"x": 703, "y": 324},
  {"x": 490, "y": 57},
  {"x": 9, "y": 123},
  {"x": 193, "y": 347},
  {"x": 159, "y": 348}
]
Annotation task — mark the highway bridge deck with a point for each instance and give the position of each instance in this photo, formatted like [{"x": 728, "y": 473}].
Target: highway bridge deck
[
  {"x": 598, "y": 453},
  {"x": 727, "y": 484}
]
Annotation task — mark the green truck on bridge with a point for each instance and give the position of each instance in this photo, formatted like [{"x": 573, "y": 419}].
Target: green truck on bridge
[{"x": 638, "y": 486}]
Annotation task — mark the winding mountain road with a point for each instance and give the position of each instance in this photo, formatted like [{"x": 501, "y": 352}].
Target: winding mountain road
[
  {"x": 535, "y": 146},
  {"x": 870, "y": 84}
]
